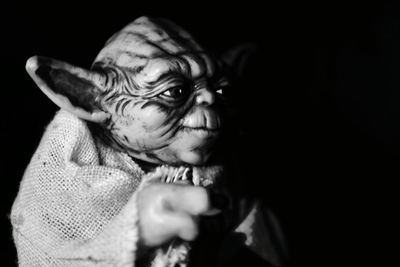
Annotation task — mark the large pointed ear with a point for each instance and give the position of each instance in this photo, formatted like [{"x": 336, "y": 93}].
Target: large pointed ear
[
  {"x": 71, "y": 88},
  {"x": 237, "y": 57}
]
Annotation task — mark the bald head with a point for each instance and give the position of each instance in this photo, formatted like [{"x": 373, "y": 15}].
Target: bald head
[{"x": 150, "y": 49}]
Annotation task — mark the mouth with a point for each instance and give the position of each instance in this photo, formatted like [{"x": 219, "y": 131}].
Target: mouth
[
  {"x": 201, "y": 131},
  {"x": 202, "y": 121}
]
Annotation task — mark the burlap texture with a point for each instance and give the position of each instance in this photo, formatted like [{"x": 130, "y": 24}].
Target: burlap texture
[{"x": 76, "y": 204}]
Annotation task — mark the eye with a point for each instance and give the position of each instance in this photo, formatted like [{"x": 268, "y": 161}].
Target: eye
[
  {"x": 176, "y": 93},
  {"x": 222, "y": 88},
  {"x": 220, "y": 91}
]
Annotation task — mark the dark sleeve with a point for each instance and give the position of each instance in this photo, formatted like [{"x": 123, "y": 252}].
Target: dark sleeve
[{"x": 258, "y": 240}]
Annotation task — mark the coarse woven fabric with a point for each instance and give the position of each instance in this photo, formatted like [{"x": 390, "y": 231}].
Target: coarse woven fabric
[{"x": 76, "y": 205}]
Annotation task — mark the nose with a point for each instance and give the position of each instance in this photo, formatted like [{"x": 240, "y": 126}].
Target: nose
[{"x": 205, "y": 96}]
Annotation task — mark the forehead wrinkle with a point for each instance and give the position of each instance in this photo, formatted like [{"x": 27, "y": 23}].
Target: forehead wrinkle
[
  {"x": 124, "y": 41},
  {"x": 211, "y": 64},
  {"x": 154, "y": 35},
  {"x": 136, "y": 56},
  {"x": 195, "y": 63},
  {"x": 130, "y": 45},
  {"x": 170, "y": 36},
  {"x": 130, "y": 61},
  {"x": 157, "y": 69},
  {"x": 141, "y": 46},
  {"x": 177, "y": 33},
  {"x": 200, "y": 64},
  {"x": 150, "y": 32}
]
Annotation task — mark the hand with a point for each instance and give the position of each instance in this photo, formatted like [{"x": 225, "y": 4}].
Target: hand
[{"x": 167, "y": 211}]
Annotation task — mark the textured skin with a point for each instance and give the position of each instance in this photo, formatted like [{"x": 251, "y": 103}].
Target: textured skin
[{"x": 155, "y": 91}]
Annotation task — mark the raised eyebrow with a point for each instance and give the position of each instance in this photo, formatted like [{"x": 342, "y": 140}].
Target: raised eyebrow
[
  {"x": 172, "y": 74},
  {"x": 156, "y": 86},
  {"x": 168, "y": 75}
]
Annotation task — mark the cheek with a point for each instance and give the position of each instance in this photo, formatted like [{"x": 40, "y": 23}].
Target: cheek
[
  {"x": 146, "y": 127},
  {"x": 150, "y": 119}
]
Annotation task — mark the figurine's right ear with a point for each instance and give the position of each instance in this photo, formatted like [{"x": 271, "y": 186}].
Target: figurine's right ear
[
  {"x": 237, "y": 58},
  {"x": 72, "y": 88}
]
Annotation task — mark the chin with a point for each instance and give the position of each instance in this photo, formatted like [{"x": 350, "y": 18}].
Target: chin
[
  {"x": 194, "y": 157},
  {"x": 189, "y": 150}
]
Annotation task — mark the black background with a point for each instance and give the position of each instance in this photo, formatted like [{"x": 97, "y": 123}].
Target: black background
[{"x": 321, "y": 108}]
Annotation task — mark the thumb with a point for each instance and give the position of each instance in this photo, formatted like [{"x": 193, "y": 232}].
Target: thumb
[{"x": 193, "y": 200}]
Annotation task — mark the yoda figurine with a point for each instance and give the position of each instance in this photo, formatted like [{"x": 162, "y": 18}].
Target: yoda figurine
[{"x": 126, "y": 172}]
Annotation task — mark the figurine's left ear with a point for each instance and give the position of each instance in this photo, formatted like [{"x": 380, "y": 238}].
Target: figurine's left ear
[
  {"x": 72, "y": 88},
  {"x": 237, "y": 57}
]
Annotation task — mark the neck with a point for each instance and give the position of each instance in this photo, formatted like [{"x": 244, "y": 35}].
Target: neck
[{"x": 145, "y": 166}]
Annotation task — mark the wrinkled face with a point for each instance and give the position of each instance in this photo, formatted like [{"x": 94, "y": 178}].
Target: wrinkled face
[{"x": 165, "y": 94}]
